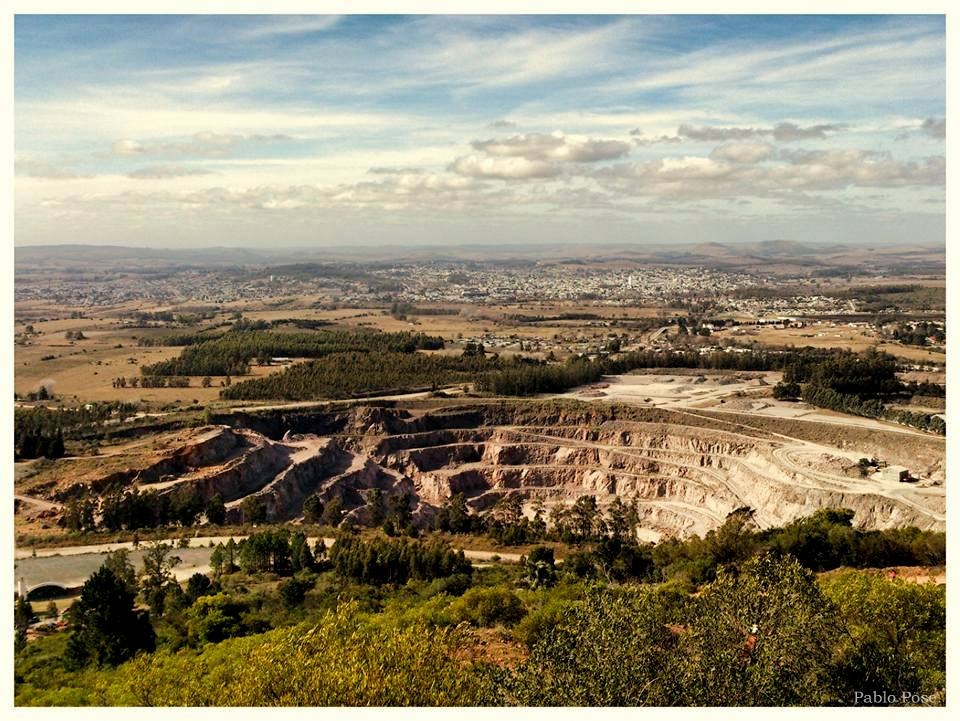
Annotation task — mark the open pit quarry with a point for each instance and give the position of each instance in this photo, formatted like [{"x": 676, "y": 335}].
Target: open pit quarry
[{"x": 686, "y": 469}]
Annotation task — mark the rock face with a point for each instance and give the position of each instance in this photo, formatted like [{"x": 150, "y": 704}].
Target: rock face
[{"x": 685, "y": 472}]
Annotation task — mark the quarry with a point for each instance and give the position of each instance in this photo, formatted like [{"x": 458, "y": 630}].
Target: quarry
[{"x": 685, "y": 468}]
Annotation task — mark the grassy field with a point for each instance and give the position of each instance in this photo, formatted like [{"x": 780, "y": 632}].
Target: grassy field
[
  {"x": 83, "y": 371},
  {"x": 829, "y": 335}
]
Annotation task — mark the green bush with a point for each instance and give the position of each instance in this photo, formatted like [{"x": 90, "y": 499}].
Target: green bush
[
  {"x": 894, "y": 633},
  {"x": 340, "y": 661},
  {"x": 538, "y": 624},
  {"x": 489, "y": 606}
]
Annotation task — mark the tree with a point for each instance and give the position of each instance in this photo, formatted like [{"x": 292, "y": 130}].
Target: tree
[
  {"x": 313, "y": 509},
  {"x": 539, "y": 568},
  {"x": 105, "y": 627},
  {"x": 734, "y": 541},
  {"x": 454, "y": 516},
  {"x": 212, "y": 619},
  {"x": 585, "y": 517},
  {"x": 376, "y": 510},
  {"x": 217, "y": 561},
  {"x": 186, "y": 505},
  {"x": 333, "y": 513},
  {"x": 489, "y": 606},
  {"x": 216, "y": 510},
  {"x": 198, "y": 585},
  {"x": 293, "y": 591},
  {"x": 22, "y": 613},
  {"x": 612, "y": 649},
  {"x": 760, "y": 637},
  {"x": 119, "y": 562},
  {"x": 787, "y": 391},
  {"x": 894, "y": 637},
  {"x": 621, "y": 520},
  {"x": 55, "y": 448},
  {"x": 156, "y": 575},
  {"x": 399, "y": 517},
  {"x": 230, "y": 555},
  {"x": 301, "y": 556},
  {"x": 509, "y": 509},
  {"x": 254, "y": 509}
]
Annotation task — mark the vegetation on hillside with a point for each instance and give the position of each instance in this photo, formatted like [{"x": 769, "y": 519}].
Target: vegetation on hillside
[{"x": 763, "y": 631}]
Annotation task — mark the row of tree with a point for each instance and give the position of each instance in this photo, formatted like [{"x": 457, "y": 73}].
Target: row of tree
[
  {"x": 920, "y": 333},
  {"x": 394, "y": 561},
  {"x": 131, "y": 509},
  {"x": 343, "y": 375},
  {"x": 273, "y": 551},
  {"x": 40, "y": 432},
  {"x": 825, "y": 540},
  {"x": 38, "y": 444},
  {"x": 232, "y": 352},
  {"x": 524, "y": 378},
  {"x": 860, "y": 384}
]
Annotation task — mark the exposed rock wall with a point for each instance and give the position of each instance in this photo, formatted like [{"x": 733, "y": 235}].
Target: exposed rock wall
[{"x": 686, "y": 472}]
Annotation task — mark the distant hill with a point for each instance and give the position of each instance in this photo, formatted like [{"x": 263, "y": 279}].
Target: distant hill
[{"x": 769, "y": 255}]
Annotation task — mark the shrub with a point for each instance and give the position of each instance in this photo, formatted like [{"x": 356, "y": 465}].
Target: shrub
[{"x": 489, "y": 606}]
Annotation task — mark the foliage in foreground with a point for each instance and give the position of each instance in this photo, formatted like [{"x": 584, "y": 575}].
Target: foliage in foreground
[
  {"x": 340, "y": 661},
  {"x": 769, "y": 636},
  {"x": 767, "y": 633}
]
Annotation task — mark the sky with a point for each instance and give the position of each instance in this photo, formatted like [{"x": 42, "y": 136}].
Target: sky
[{"x": 288, "y": 131}]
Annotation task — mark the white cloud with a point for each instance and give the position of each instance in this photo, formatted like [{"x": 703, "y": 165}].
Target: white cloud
[
  {"x": 535, "y": 155},
  {"x": 473, "y": 60},
  {"x": 783, "y": 132},
  {"x": 165, "y": 172},
  {"x": 694, "y": 177},
  {"x": 42, "y": 169},
  {"x": 279, "y": 26},
  {"x": 504, "y": 168},
  {"x": 715, "y": 134},
  {"x": 743, "y": 153},
  {"x": 555, "y": 146},
  {"x": 204, "y": 143},
  {"x": 787, "y": 132}
]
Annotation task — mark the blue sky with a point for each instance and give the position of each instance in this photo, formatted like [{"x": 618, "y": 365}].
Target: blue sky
[{"x": 312, "y": 130}]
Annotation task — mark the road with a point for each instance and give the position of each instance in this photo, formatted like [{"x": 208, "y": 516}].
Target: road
[
  {"x": 38, "y": 502},
  {"x": 294, "y": 405}
]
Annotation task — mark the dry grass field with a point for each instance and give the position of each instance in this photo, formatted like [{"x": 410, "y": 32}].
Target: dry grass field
[
  {"x": 832, "y": 335},
  {"x": 83, "y": 371}
]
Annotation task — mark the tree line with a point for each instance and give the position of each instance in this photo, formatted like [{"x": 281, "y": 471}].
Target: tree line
[
  {"x": 825, "y": 540},
  {"x": 133, "y": 509},
  {"x": 232, "y": 352},
  {"x": 40, "y": 432},
  {"x": 861, "y": 384},
  {"x": 394, "y": 561},
  {"x": 342, "y": 375}
]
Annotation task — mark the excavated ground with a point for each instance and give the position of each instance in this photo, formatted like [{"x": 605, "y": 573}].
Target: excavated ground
[{"x": 686, "y": 471}]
